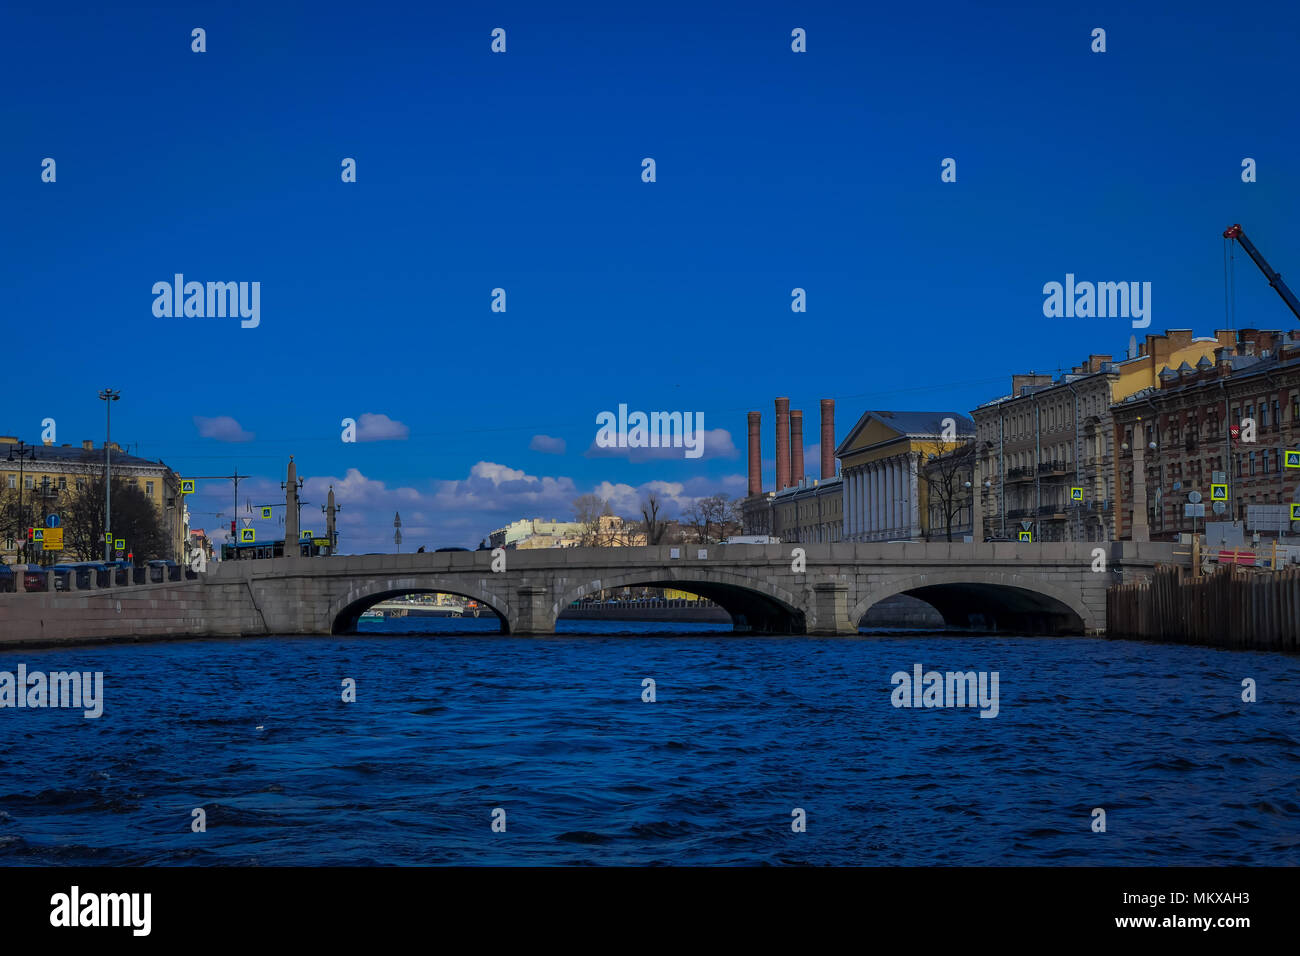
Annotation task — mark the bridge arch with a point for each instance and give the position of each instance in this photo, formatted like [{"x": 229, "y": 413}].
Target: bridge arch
[
  {"x": 1006, "y": 599},
  {"x": 345, "y": 609},
  {"x": 752, "y": 602}
]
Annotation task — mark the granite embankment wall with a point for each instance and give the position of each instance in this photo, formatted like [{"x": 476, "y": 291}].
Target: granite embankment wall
[{"x": 141, "y": 612}]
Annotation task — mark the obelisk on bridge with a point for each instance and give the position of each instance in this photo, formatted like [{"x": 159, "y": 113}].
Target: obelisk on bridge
[
  {"x": 291, "y": 511},
  {"x": 330, "y": 511}
]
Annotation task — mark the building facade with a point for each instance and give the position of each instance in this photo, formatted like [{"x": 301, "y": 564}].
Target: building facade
[
  {"x": 530, "y": 533},
  {"x": 48, "y": 474},
  {"x": 1227, "y": 421},
  {"x": 811, "y": 513},
  {"x": 881, "y": 461},
  {"x": 1046, "y": 453}
]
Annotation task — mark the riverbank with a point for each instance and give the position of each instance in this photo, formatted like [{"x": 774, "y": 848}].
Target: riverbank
[{"x": 1231, "y": 608}]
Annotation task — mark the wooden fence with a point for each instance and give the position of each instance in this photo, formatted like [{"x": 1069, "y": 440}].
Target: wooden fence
[{"x": 1230, "y": 607}]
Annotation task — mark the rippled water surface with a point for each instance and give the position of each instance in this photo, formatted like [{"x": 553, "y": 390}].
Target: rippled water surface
[{"x": 554, "y": 731}]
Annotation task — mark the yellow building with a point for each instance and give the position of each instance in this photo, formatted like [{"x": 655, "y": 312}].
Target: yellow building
[
  {"x": 47, "y": 474},
  {"x": 881, "y": 463}
]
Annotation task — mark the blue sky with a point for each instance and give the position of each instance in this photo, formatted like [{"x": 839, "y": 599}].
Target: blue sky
[{"x": 522, "y": 171}]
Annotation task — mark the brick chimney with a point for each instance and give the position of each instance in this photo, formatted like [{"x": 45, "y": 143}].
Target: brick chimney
[
  {"x": 755, "y": 455},
  {"x": 828, "y": 438},
  {"x": 796, "y": 447},
  {"x": 782, "y": 443}
]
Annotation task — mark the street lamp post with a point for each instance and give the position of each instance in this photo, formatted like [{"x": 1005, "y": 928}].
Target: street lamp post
[
  {"x": 25, "y": 452},
  {"x": 109, "y": 396}
]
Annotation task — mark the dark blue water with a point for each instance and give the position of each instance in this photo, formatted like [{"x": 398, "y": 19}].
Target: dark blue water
[{"x": 554, "y": 731}]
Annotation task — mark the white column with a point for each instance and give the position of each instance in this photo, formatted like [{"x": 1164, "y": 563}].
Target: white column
[
  {"x": 884, "y": 500},
  {"x": 844, "y": 504},
  {"x": 863, "y": 503},
  {"x": 891, "y": 499},
  {"x": 915, "y": 516},
  {"x": 850, "y": 505},
  {"x": 902, "y": 499},
  {"x": 871, "y": 500},
  {"x": 878, "y": 512},
  {"x": 856, "y": 528}
]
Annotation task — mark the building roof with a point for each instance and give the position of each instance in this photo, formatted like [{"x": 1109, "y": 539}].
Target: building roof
[
  {"x": 909, "y": 425},
  {"x": 74, "y": 454}
]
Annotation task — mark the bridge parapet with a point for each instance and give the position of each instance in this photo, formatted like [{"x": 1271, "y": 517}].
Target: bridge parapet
[{"x": 1051, "y": 586}]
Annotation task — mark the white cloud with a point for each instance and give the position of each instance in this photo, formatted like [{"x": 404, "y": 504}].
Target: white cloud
[
  {"x": 222, "y": 428},
  {"x": 547, "y": 445},
  {"x": 374, "y": 427}
]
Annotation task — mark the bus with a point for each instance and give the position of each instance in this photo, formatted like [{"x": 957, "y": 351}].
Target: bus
[{"x": 269, "y": 549}]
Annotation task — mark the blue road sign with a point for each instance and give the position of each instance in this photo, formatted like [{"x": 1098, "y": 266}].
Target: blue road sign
[{"x": 52, "y": 521}]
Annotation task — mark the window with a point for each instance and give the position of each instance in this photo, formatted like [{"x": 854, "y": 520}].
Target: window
[
  {"x": 63, "y": 484},
  {"x": 1267, "y": 456},
  {"x": 148, "y": 488},
  {"x": 13, "y": 482},
  {"x": 1263, "y": 415},
  {"x": 81, "y": 484},
  {"x": 29, "y": 482},
  {"x": 1252, "y": 463}
]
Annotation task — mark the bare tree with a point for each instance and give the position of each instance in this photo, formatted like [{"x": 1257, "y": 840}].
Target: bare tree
[
  {"x": 712, "y": 518},
  {"x": 945, "y": 478},
  {"x": 587, "y": 511},
  {"x": 15, "y": 521},
  {"x": 654, "y": 528},
  {"x": 135, "y": 520}
]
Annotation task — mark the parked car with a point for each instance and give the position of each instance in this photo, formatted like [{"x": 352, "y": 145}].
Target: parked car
[
  {"x": 7, "y": 580},
  {"x": 64, "y": 572},
  {"x": 33, "y": 576},
  {"x": 161, "y": 569},
  {"x": 113, "y": 573}
]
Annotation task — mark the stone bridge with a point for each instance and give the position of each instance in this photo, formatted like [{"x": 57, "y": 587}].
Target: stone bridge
[{"x": 1039, "y": 588}]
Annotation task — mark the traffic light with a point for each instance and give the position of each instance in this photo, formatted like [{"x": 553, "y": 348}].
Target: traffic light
[{"x": 232, "y": 527}]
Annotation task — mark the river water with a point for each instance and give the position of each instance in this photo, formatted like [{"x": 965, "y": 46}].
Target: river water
[{"x": 446, "y": 729}]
